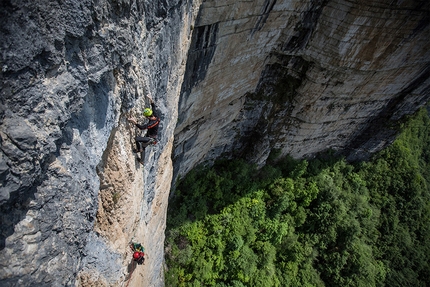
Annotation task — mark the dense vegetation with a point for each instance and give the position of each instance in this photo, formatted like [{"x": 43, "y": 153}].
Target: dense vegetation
[{"x": 307, "y": 223}]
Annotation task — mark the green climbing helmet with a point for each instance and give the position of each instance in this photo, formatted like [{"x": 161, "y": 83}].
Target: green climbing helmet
[{"x": 147, "y": 112}]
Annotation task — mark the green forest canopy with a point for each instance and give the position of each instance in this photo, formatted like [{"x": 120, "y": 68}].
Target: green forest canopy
[{"x": 306, "y": 223}]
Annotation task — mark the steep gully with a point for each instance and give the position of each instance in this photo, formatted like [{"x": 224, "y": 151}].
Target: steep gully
[{"x": 233, "y": 79}]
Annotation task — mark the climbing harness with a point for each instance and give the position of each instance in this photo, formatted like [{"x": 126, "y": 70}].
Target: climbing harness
[{"x": 153, "y": 141}]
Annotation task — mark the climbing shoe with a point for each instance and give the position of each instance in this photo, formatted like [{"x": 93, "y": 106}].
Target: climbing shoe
[
  {"x": 140, "y": 160},
  {"x": 137, "y": 151}
]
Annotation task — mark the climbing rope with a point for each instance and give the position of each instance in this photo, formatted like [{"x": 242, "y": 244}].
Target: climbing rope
[{"x": 131, "y": 273}]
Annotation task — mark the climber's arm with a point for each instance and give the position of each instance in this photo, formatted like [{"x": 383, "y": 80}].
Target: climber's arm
[{"x": 133, "y": 121}]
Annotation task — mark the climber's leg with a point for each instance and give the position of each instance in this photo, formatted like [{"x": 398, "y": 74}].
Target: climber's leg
[{"x": 141, "y": 159}]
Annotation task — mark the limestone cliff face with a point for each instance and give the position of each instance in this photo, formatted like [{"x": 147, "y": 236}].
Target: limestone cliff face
[
  {"x": 247, "y": 77},
  {"x": 300, "y": 77},
  {"x": 72, "y": 193}
]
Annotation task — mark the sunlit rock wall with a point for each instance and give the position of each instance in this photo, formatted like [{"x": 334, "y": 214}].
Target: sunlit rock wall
[
  {"x": 277, "y": 77},
  {"x": 72, "y": 195}
]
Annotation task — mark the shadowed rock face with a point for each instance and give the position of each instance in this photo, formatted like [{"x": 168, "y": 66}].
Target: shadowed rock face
[
  {"x": 236, "y": 79},
  {"x": 301, "y": 77}
]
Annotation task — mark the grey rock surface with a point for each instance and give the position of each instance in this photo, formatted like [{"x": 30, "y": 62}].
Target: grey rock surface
[{"x": 300, "y": 77}]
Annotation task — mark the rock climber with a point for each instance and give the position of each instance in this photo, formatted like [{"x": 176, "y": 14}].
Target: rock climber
[
  {"x": 138, "y": 252},
  {"x": 151, "y": 134}
]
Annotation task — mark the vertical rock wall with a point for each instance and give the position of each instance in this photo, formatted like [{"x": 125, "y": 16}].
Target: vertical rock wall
[
  {"x": 72, "y": 195},
  {"x": 300, "y": 77}
]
